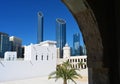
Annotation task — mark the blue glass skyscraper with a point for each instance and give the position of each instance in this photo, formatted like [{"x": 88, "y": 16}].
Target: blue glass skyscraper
[
  {"x": 76, "y": 44},
  {"x": 84, "y": 50},
  {"x": 60, "y": 34},
  {"x": 40, "y": 28},
  {"x": 4, "y": 44}
]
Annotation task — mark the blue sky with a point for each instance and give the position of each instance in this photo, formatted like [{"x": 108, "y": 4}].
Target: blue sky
[{"x": 19, "y": 18}]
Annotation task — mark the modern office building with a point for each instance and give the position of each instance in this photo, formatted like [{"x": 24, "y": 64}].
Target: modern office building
[
  {"x": 60, "y": 34},
  {"x": 81, "y": 50},
  {"x": 4, "y": 44},
  {"x": 16, "y": 45},
  {"x": 84, "y": 50},
  {"x": 40, "y": 28},
  {"x": 76, "y": 44}
]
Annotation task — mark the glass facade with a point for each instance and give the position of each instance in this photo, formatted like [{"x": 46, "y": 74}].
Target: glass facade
[
  {"x": 84, "y": 50},
  {"x": 60, "y": 34},
  {"x": 4, "y": 44},
  {"x": 76, "y": 44},
  {"x": 16, "y": 45},
  {"x": 40, "y": 28},
  {"x": 81, "y": 50}
]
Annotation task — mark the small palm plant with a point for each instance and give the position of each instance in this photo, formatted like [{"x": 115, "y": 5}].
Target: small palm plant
[{"x": 66, "y": 72}]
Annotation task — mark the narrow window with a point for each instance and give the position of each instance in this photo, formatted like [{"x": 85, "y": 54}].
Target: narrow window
[
  {"x": 85, "y": 60},
  {"x": 79, "y": 66},
  {"x": 81, "y": 60},
  {"x": 47, "y": 57},
  {"x": 85, "y": 66},
  {"x": 36, "y": 57},
  {"x": 42, "y": 57},
  {"x": 9, "y": 58},
  {"x": 76, "y": 66},
  {"x": 75, "y": 60},
  {"x": 82, "y": 66}
]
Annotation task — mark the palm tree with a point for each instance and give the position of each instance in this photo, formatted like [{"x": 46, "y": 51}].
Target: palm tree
[{"x": 66, "y": 72}]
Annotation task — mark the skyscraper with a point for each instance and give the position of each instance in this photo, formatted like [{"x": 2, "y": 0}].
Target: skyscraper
[
  {"x": 60, "y": 34},
  {"x": 84, "y": 50},
  {"x": 4, "y": 44},
  {"x": 16, "y": 45},
  {"x": 76, "y": 44},
  {"x": 40, "y": 28}
]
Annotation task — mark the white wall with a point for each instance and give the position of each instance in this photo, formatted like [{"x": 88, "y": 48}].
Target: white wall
[
  {"x": 10, "y": 55},
  {"x": 14, "y": 70},
  {"x": 36, "y": 50},
  {"x": 30, "y": 66}
]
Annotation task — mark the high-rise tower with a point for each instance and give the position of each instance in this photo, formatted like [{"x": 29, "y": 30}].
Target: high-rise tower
[
  {"x": 60, "y": 34},
  {"x": 4, "y": 44},
  {"x": 40, "y": 28},
  {"x": 76, "y": 44}
]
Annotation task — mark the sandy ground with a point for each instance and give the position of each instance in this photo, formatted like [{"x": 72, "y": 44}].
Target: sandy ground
[{"x": 44, "y": 80}]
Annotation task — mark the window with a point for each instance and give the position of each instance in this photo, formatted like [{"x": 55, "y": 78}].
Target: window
[
  {"x": 36, "y": 57},
  {"x": 68, "y": 60},
  {"x": 82, "y": 66},
  {"x": 42, "y": 57},
  {"x": 85, "y": 60},
  {"x": 75, "y": 60},
  {"x": 9, "y": 58},
  {"x": 81, "y": 60},
  {"x": 79, "y": 66},
  {"x": 76, "y": 66},
  {"x": 85, "y": 66},
  {"x": 47, "y": 57}
]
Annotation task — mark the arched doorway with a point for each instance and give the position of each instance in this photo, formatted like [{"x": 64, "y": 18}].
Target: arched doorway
[{"x": 96, "y": 24}]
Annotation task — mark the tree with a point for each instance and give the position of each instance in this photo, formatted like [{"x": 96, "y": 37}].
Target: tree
[{"x": 66, "y": 72}]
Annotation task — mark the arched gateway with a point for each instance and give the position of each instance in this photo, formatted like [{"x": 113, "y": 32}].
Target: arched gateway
[{"x": 95, "y": 22}]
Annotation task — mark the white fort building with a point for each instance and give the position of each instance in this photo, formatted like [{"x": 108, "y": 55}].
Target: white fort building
[{"x": 39, "y": 61}]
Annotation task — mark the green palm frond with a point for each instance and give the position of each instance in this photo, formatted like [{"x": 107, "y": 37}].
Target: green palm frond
[
  {"x": 73, "y": 80},
  {"x": 66, "y": 72}
]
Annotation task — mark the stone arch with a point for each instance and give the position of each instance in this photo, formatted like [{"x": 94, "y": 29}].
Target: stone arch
[
  {"x": 96, "y": 24},
  {"x": 89, "y": 28}
]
